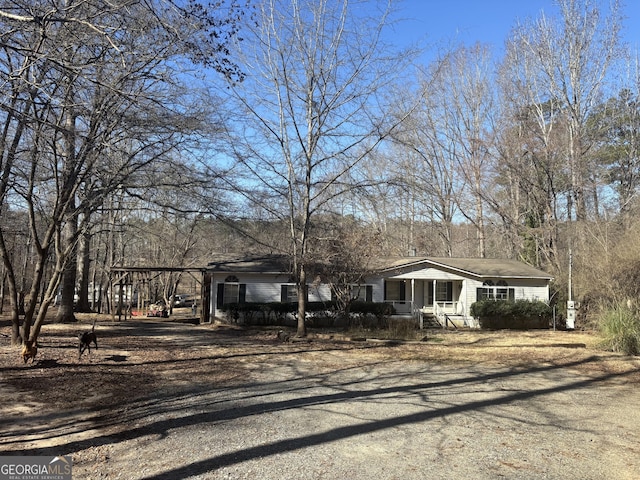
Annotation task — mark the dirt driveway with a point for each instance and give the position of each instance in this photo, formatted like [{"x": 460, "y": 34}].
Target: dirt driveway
[{"x": 161, "y": 400}]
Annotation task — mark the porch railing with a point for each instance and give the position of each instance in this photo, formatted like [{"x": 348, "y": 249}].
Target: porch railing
[
  {"x": 443, "y": 307},
  {"x": 442, "y": 311},
  {"x": 400, "y": 306}
]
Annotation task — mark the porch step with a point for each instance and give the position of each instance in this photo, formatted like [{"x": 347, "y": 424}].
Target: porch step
[{"x": 430, "y": 321}]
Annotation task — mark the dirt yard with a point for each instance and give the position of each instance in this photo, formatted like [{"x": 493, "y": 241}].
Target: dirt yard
[{"x": 161, "y": 399}]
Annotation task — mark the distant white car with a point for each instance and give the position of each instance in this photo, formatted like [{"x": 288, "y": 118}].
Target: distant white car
[{"x": 182, "y": 300}]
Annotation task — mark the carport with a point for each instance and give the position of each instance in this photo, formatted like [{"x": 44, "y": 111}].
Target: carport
[{"x": 142, "y": 280}]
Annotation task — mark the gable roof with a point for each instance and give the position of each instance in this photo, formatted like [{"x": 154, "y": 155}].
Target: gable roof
[{"x": 476, "y": 267}]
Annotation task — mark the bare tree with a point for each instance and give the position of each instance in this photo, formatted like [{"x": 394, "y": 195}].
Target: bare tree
[
  {"x": 91, "y": 101},
  {"x": 387, "y": 201},
  {"x": 350, "y": 247},
  {"x": 565, "y": 61},
  {"x": 452, "y": 134},
  {"x": 427, "y": 149},
  {"x": 312, "y": 110}
]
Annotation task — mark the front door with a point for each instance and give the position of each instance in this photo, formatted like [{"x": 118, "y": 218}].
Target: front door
[{"x": 446, "y": 294}]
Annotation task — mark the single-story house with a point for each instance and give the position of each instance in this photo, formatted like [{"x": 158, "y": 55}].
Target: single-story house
[{"x": 438, "y": 288}]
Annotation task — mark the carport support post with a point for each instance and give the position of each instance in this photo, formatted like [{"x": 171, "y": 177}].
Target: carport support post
[{"x": 121, "y": 284}]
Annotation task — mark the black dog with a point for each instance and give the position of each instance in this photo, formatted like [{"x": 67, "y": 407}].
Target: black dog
[{"x": 86, "y": 339}]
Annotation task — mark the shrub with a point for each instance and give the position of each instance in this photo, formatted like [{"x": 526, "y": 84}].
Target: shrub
[
  {"x": 368, "y": 315},
  {"x": 319, "y": 313},
  {"x": 521, "y": 314},
  {"x": 377, "y": 309},
  {"x": 620, "y": 327},
  {"x": 272, "y": 313}
]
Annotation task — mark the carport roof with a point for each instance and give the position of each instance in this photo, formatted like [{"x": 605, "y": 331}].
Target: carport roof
[{"x": 251, "y": 264}]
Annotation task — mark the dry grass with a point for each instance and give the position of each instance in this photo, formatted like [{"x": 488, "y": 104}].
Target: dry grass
[{"x": 519, "y": 349}]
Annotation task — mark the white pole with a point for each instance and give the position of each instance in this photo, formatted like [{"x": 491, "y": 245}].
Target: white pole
[
  {"x": 571, "y": 310},
  {"x": 570, "y": 273}
]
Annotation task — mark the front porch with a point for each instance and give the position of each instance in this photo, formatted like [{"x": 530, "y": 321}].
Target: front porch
[{"x": 425, "y": 299}]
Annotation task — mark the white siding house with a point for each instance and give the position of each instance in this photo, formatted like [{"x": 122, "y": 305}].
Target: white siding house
[
  {"x": 419, "y": 287},
  {"x": 255, "y": 280},
  {"x": 445, "y": 288}
]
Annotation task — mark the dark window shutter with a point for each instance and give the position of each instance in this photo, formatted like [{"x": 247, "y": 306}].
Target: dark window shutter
[
  {"x": 242, "y": 293},
  {"x": 220, "y": 296},
  {"x": 384, "y": 293},
  {"x": 369, "y": 294},
  {"x": 430, "y": 293},
  {"x": 449, "y": 291},
  {"x": 403, "y": 292},
  {"x": 512, "y": 294},
  {"x": 479, "y": 294},
  {"x": 283, "y": 293}
]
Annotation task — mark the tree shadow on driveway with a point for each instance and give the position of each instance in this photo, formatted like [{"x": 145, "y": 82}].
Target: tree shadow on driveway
[
  {"x": 348, "y": 431},
  {"x": 295, "y": 389}
]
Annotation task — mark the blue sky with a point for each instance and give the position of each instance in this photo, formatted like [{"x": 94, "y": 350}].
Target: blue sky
[{"x": 436, "y": 22}]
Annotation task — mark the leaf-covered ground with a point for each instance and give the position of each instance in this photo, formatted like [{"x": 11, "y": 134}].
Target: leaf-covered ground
[{"x": 147, "y": 368}]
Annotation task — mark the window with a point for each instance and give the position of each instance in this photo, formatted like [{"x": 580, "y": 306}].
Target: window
[
  {"x": 502, "y": 293},
  {"x": 499, "y": 292},
  {"x": 362, "y": 293},
  {"x": 230, "y": 292},
  {"x": 444, "y": 291},
  {"x": 394, "y": 291},
  {"x": 288, "y": 293},
  {"x": 485, "y": 294}
]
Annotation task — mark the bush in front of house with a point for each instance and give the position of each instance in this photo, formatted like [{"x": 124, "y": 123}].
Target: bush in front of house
[
  {"x": 372, "y": 308},
  {"x": 320, "y": 314},
  {"x": 368, "y": 315},
  {"x": 519, "y": 315},
  {"x": 620, "y": 327}
]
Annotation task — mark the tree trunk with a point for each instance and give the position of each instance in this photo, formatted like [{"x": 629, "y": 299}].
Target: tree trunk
[
  {"x": 13, "y": 302},
  {"x": 83, "y": 273},
  {"x": 67, "y": 294},
  {"x": 2, "y": 282},
  {"x": 302, "y": 303},
  {"x": 68, "y": 284}
]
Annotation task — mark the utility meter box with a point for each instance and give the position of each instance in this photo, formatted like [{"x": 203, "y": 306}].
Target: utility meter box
[{"x": 571, "y": 315}]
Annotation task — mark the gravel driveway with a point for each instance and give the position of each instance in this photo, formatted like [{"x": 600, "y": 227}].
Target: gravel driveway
[
  {"x": 339, "y": 413},
  {"x": 393, "y": 420}
]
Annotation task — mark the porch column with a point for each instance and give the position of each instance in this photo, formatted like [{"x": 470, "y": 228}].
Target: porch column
[
  {"x": 413, "y": 296},
  {"x": 434, "y": 296},
  {"x": 435, "y": 303}
]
